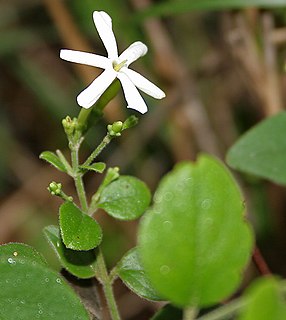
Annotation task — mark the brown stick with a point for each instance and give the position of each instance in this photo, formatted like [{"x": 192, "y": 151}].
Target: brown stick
[
  {"x": 74, "y": 39},
  {"x": 260, "y": 262},
  {"x": 169, "y": 64}
]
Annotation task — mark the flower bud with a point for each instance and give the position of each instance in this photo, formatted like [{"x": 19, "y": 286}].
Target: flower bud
[
  {"x": 115, "y": 129},
  {"x": 69, "y": 125},
  {"x": 130, "y": 122},
  {"x": 55, "y": 188}
]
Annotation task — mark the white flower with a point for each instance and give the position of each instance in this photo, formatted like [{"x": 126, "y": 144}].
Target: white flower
[{"x": 114, "y": 67}]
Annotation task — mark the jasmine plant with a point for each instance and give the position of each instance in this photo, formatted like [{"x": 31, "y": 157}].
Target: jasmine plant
[{"x": 194, "y": 241}]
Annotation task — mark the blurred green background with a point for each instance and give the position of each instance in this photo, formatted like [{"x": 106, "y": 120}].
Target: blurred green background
[{"x": 221, "y": 64}]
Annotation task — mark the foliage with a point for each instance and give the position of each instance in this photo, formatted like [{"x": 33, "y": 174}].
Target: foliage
[
  {"x": 182, "y": 6},
  {"x": 199, "y": 212},
  {"x": 267, "y": 159},
  {"x": 194, "y": 240}
]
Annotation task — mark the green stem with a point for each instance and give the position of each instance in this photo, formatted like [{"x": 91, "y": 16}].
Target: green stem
[
  {"x": 106, "y": 140},
  {"x": 190, "y": 313},
  {"x": 106, "y": 282},
  {"x": 83, "y": 116},
  {"x": 108, "y": 95},
  {"x": 77, "y": 175},
  {"x": 226, "y": 311}
]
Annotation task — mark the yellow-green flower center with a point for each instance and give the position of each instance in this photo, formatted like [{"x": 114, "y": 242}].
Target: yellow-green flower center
[{"x": 118, "y": 66}]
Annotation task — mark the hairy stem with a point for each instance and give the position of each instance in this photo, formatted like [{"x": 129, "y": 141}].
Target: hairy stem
[
  {"x": 106, "y": 140},
  {"x": 226, "y": 311},
  {"x": 190, "y": 313},
  {"x": 78, "y": 178},
  {"x": 106, "y": 282}
]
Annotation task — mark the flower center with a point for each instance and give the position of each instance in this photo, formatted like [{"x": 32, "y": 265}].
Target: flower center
[{"x": 118, "y": 66}]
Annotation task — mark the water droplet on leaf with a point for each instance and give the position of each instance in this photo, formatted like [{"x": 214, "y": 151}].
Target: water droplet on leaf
[
  {"x": 206, "y": 204},
  {"x": 165, "y": 269},
  {"x": 11, "y": 261},
  {"x": 168, "y": 196},
  {"x": 167, "y": 225}
]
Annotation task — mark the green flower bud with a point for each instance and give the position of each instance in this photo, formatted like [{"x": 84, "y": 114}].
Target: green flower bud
[
  {"x": 55, "y": 188},
  {"x": 130, "y": 122},
  {"x": 115, "y": 129},
  {"x": 70, "y": 125},
  {"x": 117, "y": 126}
]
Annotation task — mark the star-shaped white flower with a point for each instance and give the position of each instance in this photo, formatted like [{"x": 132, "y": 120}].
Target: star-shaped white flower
[{"x": 114, "y": 67}]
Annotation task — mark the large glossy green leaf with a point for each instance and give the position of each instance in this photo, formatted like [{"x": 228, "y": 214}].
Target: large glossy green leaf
[
  {"x": 262, "y": 150},
  {"x": 194, "y": 241},
  {"x": 53, "y": 159},
  {"x": 182, "y": 6},
  {"x": 29, "y": 290},
  {"x": 78, "y": 230},
  {"x": 79, "y": 263},
  {"x": 264, "y": 301},
  {"x": 131, "y": 272},
  {"x": 15, "y": 251},
  {"x": 126, "y": 198}
]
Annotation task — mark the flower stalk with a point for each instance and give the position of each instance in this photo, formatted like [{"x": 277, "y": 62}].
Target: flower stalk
[
  {"x": 106, "y": 281},
  {"x": 93, "y": 99},
  {"x": 77, "y": 176},
  {"x": 105, "y": 141},
  {"x": 101, "y": 270},
  {"x": 190, "y": 313}
]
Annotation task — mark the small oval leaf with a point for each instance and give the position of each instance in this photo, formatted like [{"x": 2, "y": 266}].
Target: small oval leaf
[
  {"x": 53, "y": 159},
  {"x": 264, "y": 301},
  {"x": 131, "y": 272},
  {"x": 30, "y": 290},
  {"x": 78, "y": 230},
  {"x": 97, "y": 167},
  {"x": 126, "y": 198},
  {"x": 194, "y": 241},
  {"x": 79, "y": 263}
]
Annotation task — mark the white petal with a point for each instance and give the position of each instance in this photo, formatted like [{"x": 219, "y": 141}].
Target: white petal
[
  {"x": 93, "y": 92},
  {"x": 144, "y": 84},
  {"x": 103, "y": 25},
  {"x": 133, "y": 52},
  {"x": 132, "y": 96},
  {"x": 87, "y": 58}
]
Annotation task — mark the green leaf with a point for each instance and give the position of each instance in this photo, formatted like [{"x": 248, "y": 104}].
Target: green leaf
[
  {"x": 262, "y": 150},
  {"x": 125, "y": 198},
  {"x": 183, "y": 6},
  {"x": 131, "y": 272},
  {"x": 194, "y": 242},
  {"x": 79, "y": 263},
  {"x": 15, "y": 251},
  {"x": 168, "y": 312},
  {"x": 97, "y": 167},
  {"x": 53, "y": 159},
  {"x": 264, "y": 301},
  {"x": 78, "y": 230},
  {"x": 30, "y": 290}
]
